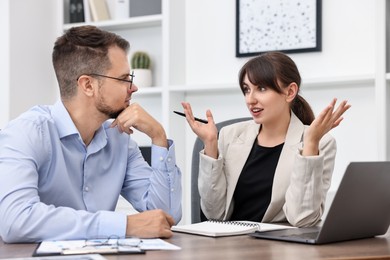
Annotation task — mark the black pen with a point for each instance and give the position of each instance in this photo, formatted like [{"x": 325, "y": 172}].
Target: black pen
[{"x": 196, "y": 119}]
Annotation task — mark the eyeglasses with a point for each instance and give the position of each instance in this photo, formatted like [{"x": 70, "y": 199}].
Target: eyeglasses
[
  {"x": 109, "y": 77},
  {"x": 112, "y": 241},
  {"x": 126, "y": 244}
]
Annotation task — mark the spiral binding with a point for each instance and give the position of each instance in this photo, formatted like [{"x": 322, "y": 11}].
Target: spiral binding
[{"x": 237, "y": 223}]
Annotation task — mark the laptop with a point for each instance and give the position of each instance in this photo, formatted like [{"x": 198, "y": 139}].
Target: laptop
[{"x": 360, "y": 208}]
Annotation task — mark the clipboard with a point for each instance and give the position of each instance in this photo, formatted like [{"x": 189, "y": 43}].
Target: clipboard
[
  {"x": 79, "y": 247},
  {"x": 108, "y": 246}
]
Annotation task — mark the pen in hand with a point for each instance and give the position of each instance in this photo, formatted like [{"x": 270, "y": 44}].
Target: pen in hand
[{"x": 196, "y": 119}]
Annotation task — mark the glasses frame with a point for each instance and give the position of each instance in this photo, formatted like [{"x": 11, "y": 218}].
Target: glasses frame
[
  {"x": 109, "y": 77},
  {"x": 114, "y": 242}
]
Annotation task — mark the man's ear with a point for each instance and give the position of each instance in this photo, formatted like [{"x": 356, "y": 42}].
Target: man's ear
[
  {"x": 85, "y": 85},
  {"x": 292, "y": 91}
]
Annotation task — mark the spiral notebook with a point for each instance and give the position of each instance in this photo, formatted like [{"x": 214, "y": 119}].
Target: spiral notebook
[{"x": 218, "y": 228}]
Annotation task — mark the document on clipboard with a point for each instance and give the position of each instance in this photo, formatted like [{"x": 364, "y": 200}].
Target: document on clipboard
[
  {"x": 65, "y": 257},
  {"x": 102, "y": 246}
]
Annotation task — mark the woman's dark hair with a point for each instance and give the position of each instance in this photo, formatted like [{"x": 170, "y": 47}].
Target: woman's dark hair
[
  {"x": 83, "y": 50},
  {"x": 270, "y": 69}
]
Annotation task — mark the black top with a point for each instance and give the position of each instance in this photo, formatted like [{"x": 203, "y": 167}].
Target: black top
[{"x": 254, "y": 187}]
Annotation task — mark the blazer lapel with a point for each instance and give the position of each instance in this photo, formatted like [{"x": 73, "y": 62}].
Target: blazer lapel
[
  {"x": 283, "y": 170},
  {"x": 236, "y": 157}
]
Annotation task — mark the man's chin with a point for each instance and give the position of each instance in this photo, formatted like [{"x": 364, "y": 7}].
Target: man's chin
[{"x": 115, "y": 114}]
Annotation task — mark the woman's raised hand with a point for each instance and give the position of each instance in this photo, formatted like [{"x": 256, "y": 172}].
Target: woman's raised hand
[
  {"x": 328, "y": 119},
  {"x": 208, "y": 133}
]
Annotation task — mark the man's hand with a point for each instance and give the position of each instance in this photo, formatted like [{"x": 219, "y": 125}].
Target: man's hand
[
  {"x": 150, "y": 224},
  {"x": 135, "y": 116}
]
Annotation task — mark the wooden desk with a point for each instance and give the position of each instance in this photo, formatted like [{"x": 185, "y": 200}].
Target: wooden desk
[{"x": 242, "y": 248}]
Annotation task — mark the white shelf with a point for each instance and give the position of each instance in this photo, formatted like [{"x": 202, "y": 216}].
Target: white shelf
[
  {"x": 131, "y": 23},
  {"x": 352, "y": 81},
  {"x": 152, "y": 91},
  {"x": 203, "y": 88},
  {"x": 344, "y": 81}
]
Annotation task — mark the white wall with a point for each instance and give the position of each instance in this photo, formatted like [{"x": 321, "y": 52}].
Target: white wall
[
  {"x": 347, "y": 31},
  {"x": 26, "y": 69}
]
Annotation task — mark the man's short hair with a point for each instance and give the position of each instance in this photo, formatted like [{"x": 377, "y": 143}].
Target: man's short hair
[{"x": 83, "y": 50}]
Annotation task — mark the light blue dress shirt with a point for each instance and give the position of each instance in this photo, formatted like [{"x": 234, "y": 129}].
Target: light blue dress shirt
[{"x": 52, "y": 186}]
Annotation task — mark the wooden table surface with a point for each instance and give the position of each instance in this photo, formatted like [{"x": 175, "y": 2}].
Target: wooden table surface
[{"x": 242, "y": 248}]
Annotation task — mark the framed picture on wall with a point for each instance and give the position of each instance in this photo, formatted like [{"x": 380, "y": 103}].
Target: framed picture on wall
[{"x": 290, "y": 26}]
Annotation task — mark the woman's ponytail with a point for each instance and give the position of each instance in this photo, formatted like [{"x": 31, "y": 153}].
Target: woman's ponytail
[{"x": 302, "y": 110}]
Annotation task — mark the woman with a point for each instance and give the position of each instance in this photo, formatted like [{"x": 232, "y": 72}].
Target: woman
[{"x": 277, "y": 167}]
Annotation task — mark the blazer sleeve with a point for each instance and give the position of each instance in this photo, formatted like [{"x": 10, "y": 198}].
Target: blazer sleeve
[
  {"x": 212, "y": 186},
  {"x": 309, "y": 184}
]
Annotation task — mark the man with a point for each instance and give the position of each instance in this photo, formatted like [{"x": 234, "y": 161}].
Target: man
[{"x": 62, "y": 167}]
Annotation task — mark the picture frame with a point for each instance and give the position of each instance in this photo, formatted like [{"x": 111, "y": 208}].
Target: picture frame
[{"x": 289, "y": 26}]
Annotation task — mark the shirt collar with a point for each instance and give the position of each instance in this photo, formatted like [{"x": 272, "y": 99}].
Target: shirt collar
[
  {"x": 63, "y": 121},
  {"x": 66, "y": 127}
]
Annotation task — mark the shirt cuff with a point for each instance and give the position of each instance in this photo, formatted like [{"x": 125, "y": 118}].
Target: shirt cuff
[
  {"x": 112, "y": 224},
  {"x": 162, "y": 158}
]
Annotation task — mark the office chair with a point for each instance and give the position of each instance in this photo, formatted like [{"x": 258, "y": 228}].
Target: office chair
[{"x": 196, "y": 213}]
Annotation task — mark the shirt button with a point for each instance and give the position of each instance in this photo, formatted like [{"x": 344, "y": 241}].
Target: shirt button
[
  {"x": 161, "y": 158},
  {"x": 169, "y": 159},
  {"x": 172, "y": 190},
  {"x": 86, "y": 189}
]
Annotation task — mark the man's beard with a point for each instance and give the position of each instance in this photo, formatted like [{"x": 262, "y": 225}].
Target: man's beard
[{"x": 109, "y": 112}]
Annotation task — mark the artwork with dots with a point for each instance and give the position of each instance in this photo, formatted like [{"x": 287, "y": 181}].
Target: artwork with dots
[{"x": 278, "y": 25}]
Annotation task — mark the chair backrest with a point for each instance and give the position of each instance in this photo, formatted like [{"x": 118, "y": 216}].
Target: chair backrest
[{"x": 196, "y": 213}]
